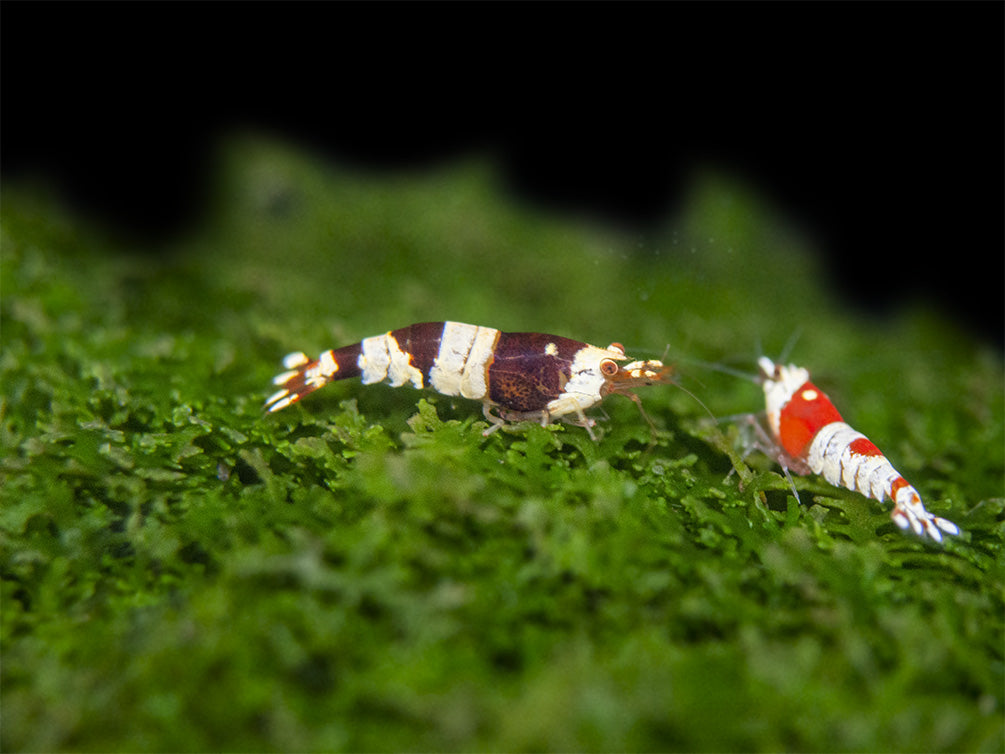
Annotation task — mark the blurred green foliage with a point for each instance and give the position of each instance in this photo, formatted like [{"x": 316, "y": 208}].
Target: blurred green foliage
[{"x": 365, "y": 571}]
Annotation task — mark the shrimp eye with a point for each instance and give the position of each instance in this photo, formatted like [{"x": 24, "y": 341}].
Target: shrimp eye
[{"x": 609, "y": 367}]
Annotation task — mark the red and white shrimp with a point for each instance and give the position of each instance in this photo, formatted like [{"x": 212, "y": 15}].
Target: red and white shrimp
[
  {"x": 811, "y": 437},
  {"x": 525, "y": 376}
]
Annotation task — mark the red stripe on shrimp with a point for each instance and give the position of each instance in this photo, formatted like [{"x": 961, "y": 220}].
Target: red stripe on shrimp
[
  {"x": 807, "y": 411},
  {"x": 863, "y": 446}
]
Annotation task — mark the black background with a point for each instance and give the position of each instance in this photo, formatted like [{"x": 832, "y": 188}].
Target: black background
[{"x": 878, "y": 127}]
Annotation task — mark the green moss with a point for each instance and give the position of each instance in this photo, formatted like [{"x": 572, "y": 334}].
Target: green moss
[{"x": 365, "y": 571}]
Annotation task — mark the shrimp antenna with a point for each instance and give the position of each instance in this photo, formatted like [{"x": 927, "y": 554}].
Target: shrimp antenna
[
  {"x": 723, "y": 368},
  {"x": 790, "y": 344},
  {"x": 696, "y": 398}
]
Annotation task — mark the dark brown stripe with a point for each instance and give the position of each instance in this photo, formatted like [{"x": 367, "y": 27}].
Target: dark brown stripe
[
  {"x": 347, "y": 358},
  {"x": 422, "y": 343},
  {"x": 523, "y": 377}
]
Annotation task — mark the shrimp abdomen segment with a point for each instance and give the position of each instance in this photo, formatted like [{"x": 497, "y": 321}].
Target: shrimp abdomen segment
[{"x": 847, "y": 458}]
